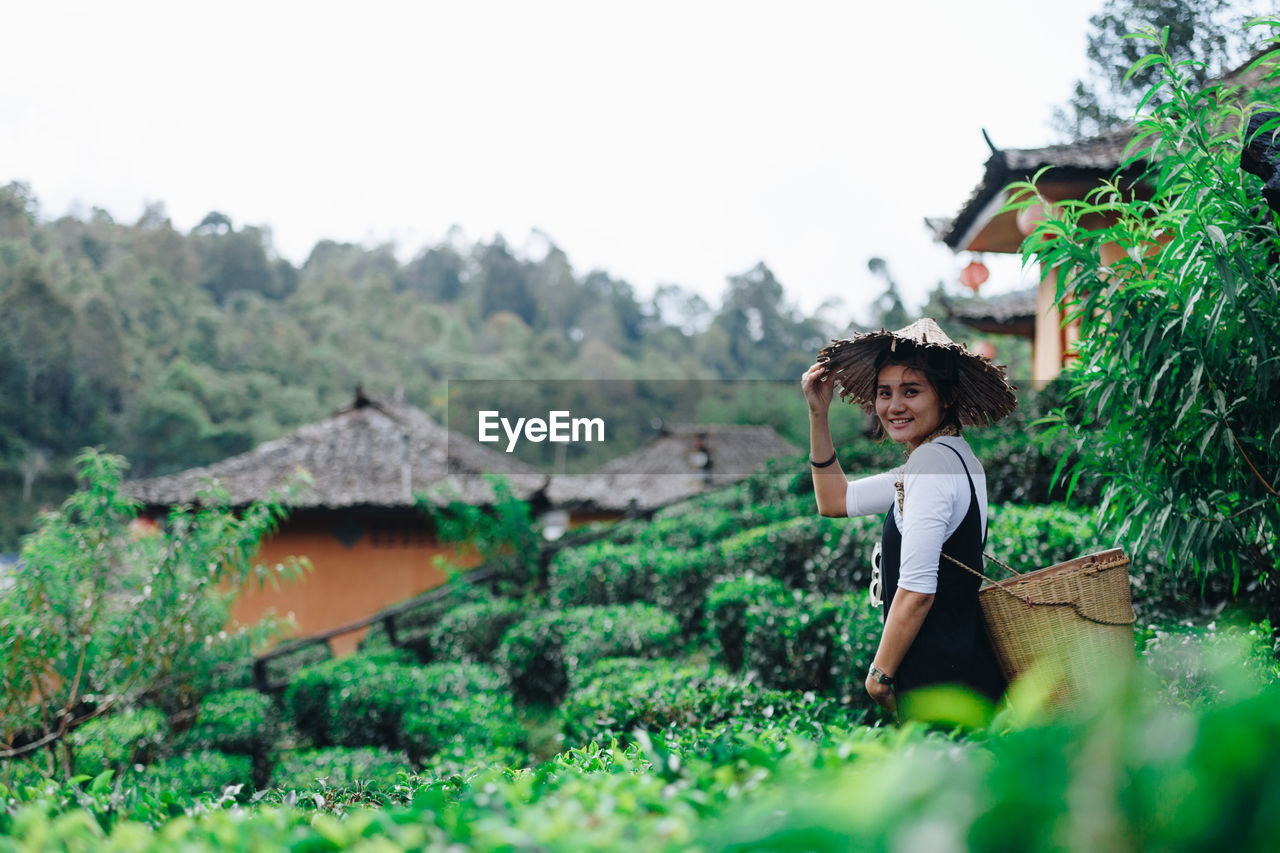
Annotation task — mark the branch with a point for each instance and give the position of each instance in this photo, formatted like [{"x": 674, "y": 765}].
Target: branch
[
  {"x": 1261, "y": 479},
  {"x": 55, "y": 736}
]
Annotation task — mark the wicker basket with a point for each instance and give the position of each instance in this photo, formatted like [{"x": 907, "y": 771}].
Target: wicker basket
[{"x": 1075, "y": 618}]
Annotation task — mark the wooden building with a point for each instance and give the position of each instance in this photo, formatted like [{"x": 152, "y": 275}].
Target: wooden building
[
  {"x": 357, "y": 521},
  {"x": 982, "y": 225},
  {"x": 1072, "y": 170}
]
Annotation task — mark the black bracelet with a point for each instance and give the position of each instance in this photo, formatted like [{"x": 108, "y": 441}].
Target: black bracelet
[{"x": 830, "y": 461}]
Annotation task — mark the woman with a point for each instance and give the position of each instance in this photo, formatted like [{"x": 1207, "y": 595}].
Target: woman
[{"x": 923, "y": 389}]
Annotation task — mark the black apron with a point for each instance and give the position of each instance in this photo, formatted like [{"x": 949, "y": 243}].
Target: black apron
[{"x": 952, "y": 646}]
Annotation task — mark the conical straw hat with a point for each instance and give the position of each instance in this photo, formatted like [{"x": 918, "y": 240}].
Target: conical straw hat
[{"x": 985, "y": 394}]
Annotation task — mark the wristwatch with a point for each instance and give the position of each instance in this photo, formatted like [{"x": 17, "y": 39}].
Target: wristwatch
[{"x": 880, "y": 675}]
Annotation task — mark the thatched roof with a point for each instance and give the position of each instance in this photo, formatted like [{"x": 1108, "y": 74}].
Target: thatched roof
[
  {"x": 1007, "y": 314},
  {"x": 1075, "y": 164},
  {"x": 1074, "y": 169},
  {"x": 683, "y": 460},
  {"x": 373, "y": 453}
]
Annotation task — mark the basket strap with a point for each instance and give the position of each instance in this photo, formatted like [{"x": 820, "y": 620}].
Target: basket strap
[
  {"x": 1027, "y": 599},
  {"x": 990, "y": 580},
  {"x": 1002, "y": 564}
]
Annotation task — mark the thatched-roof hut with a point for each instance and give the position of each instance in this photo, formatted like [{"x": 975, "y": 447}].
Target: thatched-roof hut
[
  {"x": 681, "y": 461},
  {"x": 1005, "y": 314},
  {"x": 356, "y": 521},
  {"x": 373, "y": 453}
]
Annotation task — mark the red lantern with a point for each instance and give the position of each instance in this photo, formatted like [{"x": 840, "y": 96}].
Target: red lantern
[{"x": 974, "y": 275}]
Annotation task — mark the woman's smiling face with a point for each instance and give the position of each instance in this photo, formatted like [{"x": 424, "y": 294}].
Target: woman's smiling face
[{"x": 908, "y": 407}]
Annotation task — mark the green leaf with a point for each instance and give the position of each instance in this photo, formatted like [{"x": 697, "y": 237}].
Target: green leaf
[{"x": 102, "y": 782}]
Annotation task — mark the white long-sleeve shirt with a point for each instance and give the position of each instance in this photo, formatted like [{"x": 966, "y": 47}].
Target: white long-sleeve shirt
[{"x": 936, "y": 498}]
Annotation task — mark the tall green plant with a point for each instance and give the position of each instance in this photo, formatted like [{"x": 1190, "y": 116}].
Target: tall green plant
[
  {"x": 503, "y": 533},
  {"x": 1174, "y": 390},
  {"x": 103, "y": 613}
]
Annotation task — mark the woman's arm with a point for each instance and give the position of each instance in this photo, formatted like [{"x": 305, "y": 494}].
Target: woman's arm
[
  {"x": 906, "y": 615},
  {"x": 830, "y": 486}
]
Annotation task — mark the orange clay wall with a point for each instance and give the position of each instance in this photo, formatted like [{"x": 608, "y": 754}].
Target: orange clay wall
[{"x": 357, "y": 569}]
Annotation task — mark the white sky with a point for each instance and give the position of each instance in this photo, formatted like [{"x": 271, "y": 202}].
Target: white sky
[{"x": 661, "y": 141}]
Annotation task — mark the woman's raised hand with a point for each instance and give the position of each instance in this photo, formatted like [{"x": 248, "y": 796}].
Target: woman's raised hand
[{"x": 819, "y": 387}]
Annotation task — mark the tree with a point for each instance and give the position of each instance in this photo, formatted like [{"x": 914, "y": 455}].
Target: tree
[
  {"x": 766, "y": 338},
  {"x": 238, "y": 260},
  {"x": 434, "y": 275},
  {"x": 1179, "y": 365},
  {"x": 503, "y": 284},
  {"x": 214, "y": 223},
  {"x": 17, "y": 210},
  {"x": 1209, "y": 34},
  {"x": 39, "y": 324},
  {"x": 100, "y": 616},
  {"x": 889, "y": 312},
  {"x": 610, "y": 304},
  {"x": 685, "y": 310}
]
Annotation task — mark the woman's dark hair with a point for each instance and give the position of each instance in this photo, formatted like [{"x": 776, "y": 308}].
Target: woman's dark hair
[{"x": 938, "y": 366}]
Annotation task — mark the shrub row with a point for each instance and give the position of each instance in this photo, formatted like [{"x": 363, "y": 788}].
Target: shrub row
[
  {"x": 340, "y": 767},
  {"x": 119, "y": 741},
  {"x": 239, "y": 722},
  {"x": 820, "y": 555},
  {"x": 618, "y": 696},
  {"x": 368, "y": 701},
  {"x": 470, "y": 633},
  {"x": 793, "y": 640},
  {"x": 200, "y": 773},
  {"x": 1134, "y": 775},
  {"x": 541, "y": 653},
  {"x": 830, "y": 556}
]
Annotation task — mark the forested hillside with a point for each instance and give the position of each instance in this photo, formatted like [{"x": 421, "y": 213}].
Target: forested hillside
[{"x": 180, "y": 349}]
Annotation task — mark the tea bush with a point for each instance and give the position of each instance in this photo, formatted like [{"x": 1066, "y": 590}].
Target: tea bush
[
  {"x": 202, "y": 772},
  {"x": 672, "y": 577},
  {"x": 829, "y": 556},
  {"x": 800, "y": 644},
  {"x": 26, "y": 772},
  {"x": 471, "y": 632},
  {"x": 241, "y": 722},
  {"x": 310, "y": 694},
  {"x": 339, "y": 767},
  {"x": 539, "y": 654},
  {"x": 791, "y": 639},
  {"x": 727, "y": 603},
  {"x": 600, "y": 573},
  {"x": 1125, "y": 773},
  {"x": 418, "y": 617},
  {"x": 1195, "y": 664},
  {"x": 463, "y": 727},
  {"x": 1033, "y": 537},
  {"x": 284, "y": 667},
  {"x": 680, "y": 582},
  {"x": 119, "y": 741},
  {"x": 370, "y": 711},
  {"x": 616, "y": 697}
]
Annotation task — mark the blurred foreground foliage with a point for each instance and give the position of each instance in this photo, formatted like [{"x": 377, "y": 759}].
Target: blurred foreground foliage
[{"x": 1130, "y": 771}]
